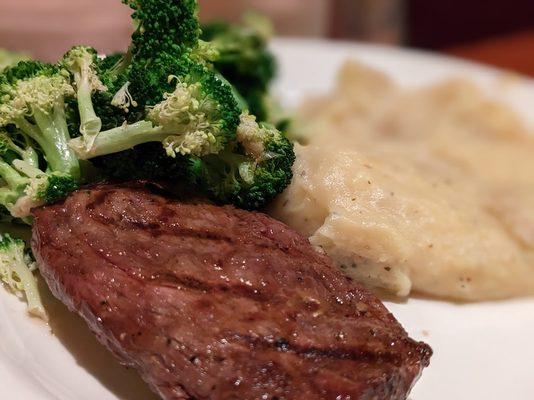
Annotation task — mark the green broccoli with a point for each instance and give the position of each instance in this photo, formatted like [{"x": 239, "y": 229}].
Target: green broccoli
[
  {"x": 82, "y": 63},
  {"x": 157, "y": 75},
  {"x": 190, "y": 120},
  {"x": 250, "y": 175},
  {"x": 24, "y": 185},
  {"x": 16, "y": 271},
  {"x": 148, "y": 161},
  {"x": 244, "y": 59},
  {"x": 177, "y": 101},
  {"x": 163, "y": 26},
  {"x": 167, "y": 32},
  {"x": 32, "y": 98},
  {"x": 164, "y": 91},
  {"x": 34, "y": 131}
]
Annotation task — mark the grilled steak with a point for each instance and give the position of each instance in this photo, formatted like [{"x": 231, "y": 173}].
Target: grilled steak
[{"x": 212, "y": 302}]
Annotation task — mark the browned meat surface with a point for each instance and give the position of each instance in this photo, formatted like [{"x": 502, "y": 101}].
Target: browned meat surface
[{"x": 213, "y": 302}]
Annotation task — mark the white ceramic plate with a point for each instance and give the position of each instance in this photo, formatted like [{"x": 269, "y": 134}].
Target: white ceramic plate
[{"x": 482, "y": 351}]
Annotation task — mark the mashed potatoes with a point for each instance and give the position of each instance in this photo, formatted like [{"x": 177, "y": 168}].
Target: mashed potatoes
[{"x": 427, "y": 190}]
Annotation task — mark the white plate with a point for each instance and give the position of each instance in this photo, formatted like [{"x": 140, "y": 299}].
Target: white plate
[{"x": 482, "y": 351}]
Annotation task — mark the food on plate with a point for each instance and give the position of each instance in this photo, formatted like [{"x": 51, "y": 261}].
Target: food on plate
[
  {"x": 428, "y": 190},
  {"x": 171, "y": 93},
  {"x": 161, "y": 110},
  {"x": 16, "y": 271},
  {"x": 203, "y": 300},
  {"x": 210, "y": 302},
  {"x": 34, "y": 124},
  {"x": 245, "y": 59},
  {"x": 164, "y": 110}
]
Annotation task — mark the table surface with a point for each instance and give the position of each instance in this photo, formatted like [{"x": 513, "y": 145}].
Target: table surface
[{"x": 514, "y": 51}]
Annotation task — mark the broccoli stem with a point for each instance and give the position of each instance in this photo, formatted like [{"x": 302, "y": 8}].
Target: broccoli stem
[
  {"x": 30, "y": 156},
  {"x": 11, "y": 176},
  {"x": 27, "y": 169},
  {"x": 122, "y": 65},
  {"x": 29, "y": 286},
  {"x": 119, "y": 139},
  {"x": 28, "y": 153},
  {"x": 90, "y": 123},
  {"x": 8, "y": 197},
  {"x": 52, "y": 134}
]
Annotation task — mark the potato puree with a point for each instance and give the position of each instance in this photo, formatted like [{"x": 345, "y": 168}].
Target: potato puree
[{"x": 428, "y": 190}]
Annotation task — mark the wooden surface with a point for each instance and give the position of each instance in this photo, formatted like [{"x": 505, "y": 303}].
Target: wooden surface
[{"x": 514, "y": 52}]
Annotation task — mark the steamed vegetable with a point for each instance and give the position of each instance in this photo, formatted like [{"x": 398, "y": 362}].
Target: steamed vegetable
[
  {"x": 32, "y": 100},
  {"x": 24, "y": 185},
  {"x": 17, "y": 273},
  {"x": 177, "y": 106},
  {"x": 243, "y": 57},
  {"x": 254, "y": 172},
  {"x": 81, "y": 62},
  {"x": 172, "y": 94}
]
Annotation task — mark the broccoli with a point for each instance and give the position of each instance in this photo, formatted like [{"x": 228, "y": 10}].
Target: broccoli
[
  {"x": 8, "y": 58},
  {"x": 32, "y": 98},
  {"x": 165, "y": 93},
  {"x": 82, "y": 62},
  {"x": 254, "y": 172},
  {"x": 144, "y": 162},
  {"x": 243, "y": 58},
  {"x": 24, "y": 185},
  {"x": 177, "y": 100},
  {"x": 33, "y": 119},
  {"x": 16, "y": 271},
  {"x": 190, "y": 120},
  {"x": 167, "y": 33},
  {"x": 163, "y": 26}
]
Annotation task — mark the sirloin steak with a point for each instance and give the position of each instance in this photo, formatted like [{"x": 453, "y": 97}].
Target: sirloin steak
[{"x": 212, "y": 302}]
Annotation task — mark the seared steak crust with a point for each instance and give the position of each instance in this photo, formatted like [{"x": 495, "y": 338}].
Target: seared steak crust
[{"x": 212, "y": 302}]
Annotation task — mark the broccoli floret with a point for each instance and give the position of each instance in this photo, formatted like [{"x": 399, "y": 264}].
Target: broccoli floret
[
  {"x": 8, "y": 58},
  {"x": 16, "y": 271},
  {"x": 163, "y": 26},
  {"x": 244, "y": 58},
  {"x": 170, "y": 115},
  {"x": 253, "y": 173},
  {"x": 45, "y": 187},
  {"x": 24, "y": 185},
  {"x": 167, "y": 33},
  {"x": 166, "y": 96},
  {"x": 190, "y": 120},
  {"x": 115, "y": 105},
  {"x": 82, "y": 63},
  {"x": 32, "y": 98}
]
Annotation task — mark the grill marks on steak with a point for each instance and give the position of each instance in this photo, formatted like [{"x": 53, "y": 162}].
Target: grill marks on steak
[{"x": 212, "y": 302}]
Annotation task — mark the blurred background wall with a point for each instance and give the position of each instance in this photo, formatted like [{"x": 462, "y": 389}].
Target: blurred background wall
[
  {"x": 500, "y": 32},
  {"x": 45, "y": 28},
  {"x": 291, "y": 17}
]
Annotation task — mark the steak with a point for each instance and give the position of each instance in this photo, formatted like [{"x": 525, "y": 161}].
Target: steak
[{"x": 211, "y": 302}]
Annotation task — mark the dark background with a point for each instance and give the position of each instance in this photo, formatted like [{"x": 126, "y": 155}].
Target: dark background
[{"x": 437, "y": 24}]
